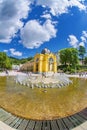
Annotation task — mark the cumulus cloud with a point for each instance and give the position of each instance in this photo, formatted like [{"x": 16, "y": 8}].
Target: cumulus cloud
[
  {"x": 11, "y": 13},
  {"x": 47, "y": 16},
  {"x": 84, "y": 36},
  {"x": 81, "y": 44},
  {"x": 84, "y": 33},
  {"x": 14, "y": 52},
  {"x": 5, "y": 50},
  {"x": 34, "y": 34},
  {"x": 58, "y": 7},
  {"x": 73, "y": 41}
]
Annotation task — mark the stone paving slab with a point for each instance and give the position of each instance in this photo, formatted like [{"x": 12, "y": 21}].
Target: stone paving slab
[
  {"x": 3, "y": 126},
  {"x": 75, "y": 122},
  {"x": 83, "y": 126}
]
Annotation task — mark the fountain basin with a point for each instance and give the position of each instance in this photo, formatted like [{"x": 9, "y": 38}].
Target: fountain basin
[{"x": 39, "y": 105}]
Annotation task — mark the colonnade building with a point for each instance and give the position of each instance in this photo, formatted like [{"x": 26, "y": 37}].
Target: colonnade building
[{"x": 45, "y": 62}]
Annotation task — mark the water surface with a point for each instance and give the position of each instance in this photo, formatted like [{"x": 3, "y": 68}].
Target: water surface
[{"x": 37, "y": 104}]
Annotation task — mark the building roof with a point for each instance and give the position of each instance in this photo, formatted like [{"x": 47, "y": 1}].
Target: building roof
[{"x": 45, "y": 51}]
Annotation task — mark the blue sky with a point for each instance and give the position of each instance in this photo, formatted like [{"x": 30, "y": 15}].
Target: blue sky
[{"x": 28, "y": 26}]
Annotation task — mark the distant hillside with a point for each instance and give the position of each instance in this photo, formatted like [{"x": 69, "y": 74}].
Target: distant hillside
[{"x": 19, "y": 61}]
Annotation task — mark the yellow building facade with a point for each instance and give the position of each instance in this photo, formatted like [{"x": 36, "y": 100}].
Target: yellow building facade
[{"x": 45, "y": 62}]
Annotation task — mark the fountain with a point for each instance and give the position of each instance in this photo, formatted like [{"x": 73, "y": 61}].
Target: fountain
[
  {"x": 45, "y": 101},
  {"x": 37, "y": 80}
]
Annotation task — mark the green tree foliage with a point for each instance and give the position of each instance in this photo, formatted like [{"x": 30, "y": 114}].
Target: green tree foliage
[
  {"x": 82, "y": 52},
  {"x": 69, "y": 56},
  {"x": 4, "y": 61},
  {"x": 85, "y": 61},
  {"x": 16, "y": 61}
]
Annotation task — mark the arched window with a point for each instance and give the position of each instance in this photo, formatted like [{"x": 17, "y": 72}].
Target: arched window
[
  {"x": 51, "y": 60},
  {"x": 37, "y": 59},
  {"x": 51, "y": 65}
]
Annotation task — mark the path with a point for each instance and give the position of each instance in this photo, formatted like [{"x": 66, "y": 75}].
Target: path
[{"x": 68, "y": 123}]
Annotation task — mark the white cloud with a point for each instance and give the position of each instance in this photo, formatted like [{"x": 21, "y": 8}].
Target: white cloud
[
  {"x": 61, "y": 6},
  {"x": 34, "y": 34},
  {"x": 73, "y": 41},
  {"x": 84, "y": 33},
  {"x": 11, "y": 13},
  {"x": 5, "y": 50},
  {"x": 78, "y": 3},
  {"x": 47, "y": 16},
  {"x": 84, "y": 36},
  {"x": 14, "y": 52},
  {"x": 81, "y": 44}
]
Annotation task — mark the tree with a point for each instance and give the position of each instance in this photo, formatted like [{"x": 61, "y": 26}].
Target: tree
[
  {"x": 85, "y": 61},
  {"x": 8, "y": 63},
  {"x": 82, "y": 52},
  {"x": 16, "y": 61},
  {"x": 69, "y": 56},
  {"x": 4, "y": 61}
]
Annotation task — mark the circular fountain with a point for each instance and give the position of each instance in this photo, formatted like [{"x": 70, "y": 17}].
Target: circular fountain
[
  {"x": 48, "y": 81},
  {"x": 42, "y": 102}
]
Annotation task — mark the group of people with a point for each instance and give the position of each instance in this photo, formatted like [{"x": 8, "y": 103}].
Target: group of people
[{"x": 83, "y": 74}]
